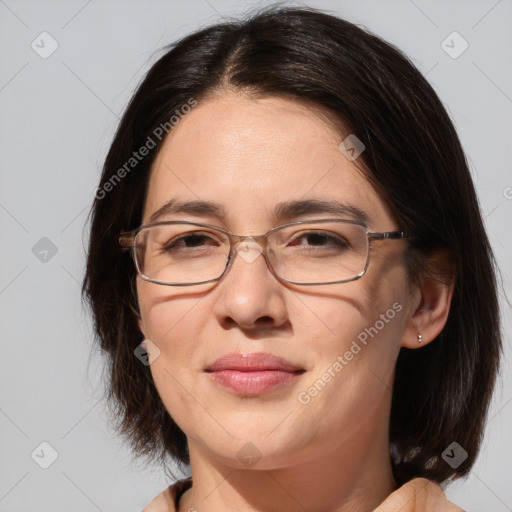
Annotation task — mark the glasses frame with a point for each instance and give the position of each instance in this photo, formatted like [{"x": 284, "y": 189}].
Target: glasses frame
[{"x": 127, "y": 242}]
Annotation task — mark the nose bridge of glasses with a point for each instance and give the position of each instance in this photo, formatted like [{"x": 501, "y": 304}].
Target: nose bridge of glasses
[{"x": 249, "y": 247}]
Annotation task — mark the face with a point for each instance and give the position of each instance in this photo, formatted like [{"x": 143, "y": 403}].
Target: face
[{"x": 247, "y": 156}]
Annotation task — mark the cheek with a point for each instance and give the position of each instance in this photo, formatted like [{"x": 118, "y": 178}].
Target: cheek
[
  {"x": 356, "y": 354},
  {"x": 174, "y": 328},
  {"x": 177, "y": 328},
  {"x": 352, "y": 380},
  {"x": 363, "y": 334},
  {"x": 169, "y": 314}
]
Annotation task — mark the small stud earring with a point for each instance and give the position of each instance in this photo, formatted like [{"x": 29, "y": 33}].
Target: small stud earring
[{"x": 420, "y": 338}]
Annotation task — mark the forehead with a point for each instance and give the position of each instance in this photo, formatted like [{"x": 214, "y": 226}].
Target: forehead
[{"x": 248, "y": 155}]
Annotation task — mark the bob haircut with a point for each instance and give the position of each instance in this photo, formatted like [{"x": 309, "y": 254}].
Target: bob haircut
[{"x": 413, "y": 157}]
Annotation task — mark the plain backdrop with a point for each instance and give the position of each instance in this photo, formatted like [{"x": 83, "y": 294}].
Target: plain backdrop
[{"x": 67, "y": 70}]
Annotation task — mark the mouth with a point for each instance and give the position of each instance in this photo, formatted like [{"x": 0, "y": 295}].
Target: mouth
[{"x": 252, "y": 374}]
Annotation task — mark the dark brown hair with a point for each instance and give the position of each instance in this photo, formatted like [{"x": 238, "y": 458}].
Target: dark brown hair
[{"x": 413, "y": 155}]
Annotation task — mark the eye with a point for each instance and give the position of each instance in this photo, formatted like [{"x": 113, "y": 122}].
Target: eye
[
  {"x": 319, "y": 239},
  {"x": 191, "y": 240}
]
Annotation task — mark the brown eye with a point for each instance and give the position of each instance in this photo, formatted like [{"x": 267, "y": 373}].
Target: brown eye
[
  {"x": 190, "y": 240},
  {"x": 319, "y": 239}
]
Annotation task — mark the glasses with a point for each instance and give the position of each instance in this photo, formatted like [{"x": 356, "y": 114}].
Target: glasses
[{"x": 309, "y": 252}]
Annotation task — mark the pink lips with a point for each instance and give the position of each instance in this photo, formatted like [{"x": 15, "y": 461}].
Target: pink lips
[{"x": 253, "y": 373}]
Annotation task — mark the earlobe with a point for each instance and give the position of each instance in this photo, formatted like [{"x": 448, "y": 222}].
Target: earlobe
[{"x": 433, "y": 298}]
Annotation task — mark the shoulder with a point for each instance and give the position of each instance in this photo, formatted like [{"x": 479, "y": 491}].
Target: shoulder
[
  {"x": 164, "y": 502},
  {"x": 167, "y": 499},
  {"x": 417, "y": 495}
]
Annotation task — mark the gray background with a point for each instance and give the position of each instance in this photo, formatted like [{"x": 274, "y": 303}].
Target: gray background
[{"x": 57, "y": 118}]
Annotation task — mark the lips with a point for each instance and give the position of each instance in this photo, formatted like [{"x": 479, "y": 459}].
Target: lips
[
  {"x": 255, "y": 361},
  {"x": 252, "y": 374}
]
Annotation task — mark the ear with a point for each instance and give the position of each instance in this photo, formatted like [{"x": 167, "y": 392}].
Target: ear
[{"x": 430, "y": 301}]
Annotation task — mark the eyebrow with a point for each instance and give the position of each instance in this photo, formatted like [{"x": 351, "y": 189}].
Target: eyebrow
[{"x": 285, "y": 211}]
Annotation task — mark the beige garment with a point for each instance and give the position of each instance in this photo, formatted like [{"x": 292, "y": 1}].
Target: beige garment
[{"x": 168, "y": 500}]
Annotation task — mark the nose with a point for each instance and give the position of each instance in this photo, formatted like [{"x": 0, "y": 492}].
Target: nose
[{"x": 250, "y": 296}]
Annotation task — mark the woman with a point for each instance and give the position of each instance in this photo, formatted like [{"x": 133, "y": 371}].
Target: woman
[{"x": 305, "y": 308}]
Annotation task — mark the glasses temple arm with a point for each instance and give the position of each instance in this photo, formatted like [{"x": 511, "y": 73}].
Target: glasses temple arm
[
  {"x": 388, "y": 235},
  {"x": 126, "y": 240}
]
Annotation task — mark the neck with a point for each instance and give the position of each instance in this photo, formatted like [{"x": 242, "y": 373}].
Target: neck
[{"x": 353, "y": 476}]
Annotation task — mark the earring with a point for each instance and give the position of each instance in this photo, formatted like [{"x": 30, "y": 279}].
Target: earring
[{"x": 420, "y": 338}]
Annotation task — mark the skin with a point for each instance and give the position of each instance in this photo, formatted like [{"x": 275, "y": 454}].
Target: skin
[{"x": 332, "y": 454}]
